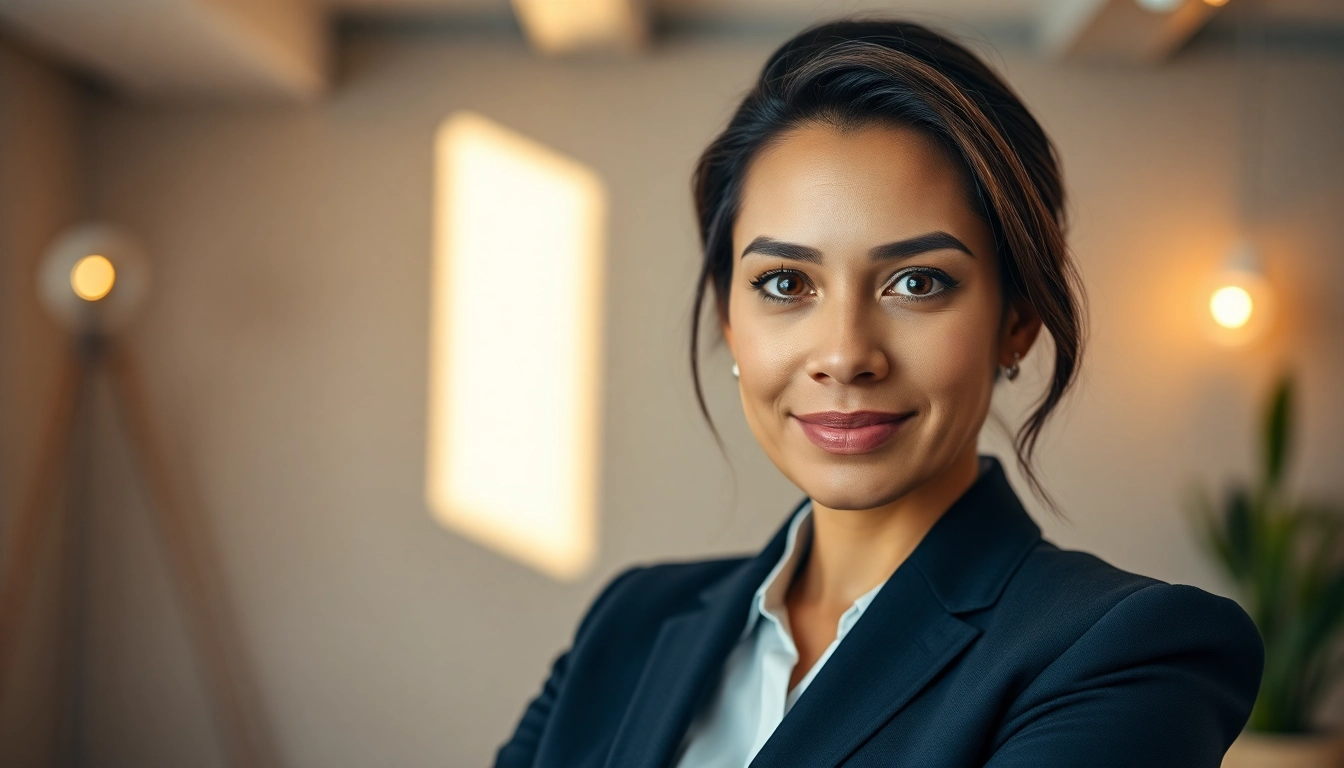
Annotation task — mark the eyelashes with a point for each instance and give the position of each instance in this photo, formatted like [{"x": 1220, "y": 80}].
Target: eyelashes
[
  {"x": 927, "y": 274},
  {"x": 775, "y": 284},
  {"x": 786, "y": 286}
]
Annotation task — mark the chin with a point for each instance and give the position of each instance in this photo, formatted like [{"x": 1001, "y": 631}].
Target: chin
[{"x": 865, "y": 486}]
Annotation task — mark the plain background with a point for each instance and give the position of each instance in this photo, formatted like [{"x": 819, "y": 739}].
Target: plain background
[{"x": 285, "y": 347}]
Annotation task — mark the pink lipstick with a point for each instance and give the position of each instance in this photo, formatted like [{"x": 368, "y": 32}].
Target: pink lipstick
[{"x": 851, "y": 432}]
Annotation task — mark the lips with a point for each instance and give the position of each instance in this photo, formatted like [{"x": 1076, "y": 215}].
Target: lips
[{"x": 852, "y": 432}]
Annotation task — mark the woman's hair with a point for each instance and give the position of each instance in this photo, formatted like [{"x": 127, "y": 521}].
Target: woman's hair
[{"x": 857, "y": 72}]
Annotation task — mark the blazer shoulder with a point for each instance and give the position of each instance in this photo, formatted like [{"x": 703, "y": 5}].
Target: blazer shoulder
[
  {"x": 1193, "y": 647},
  {"x": 1166, "y": 673},
  {"x": 639, "y": 598},
  {"x": 1180, "y": 617},
  {"x": 1075, "y": 624},
  {"x": 679, "y": 577},
  {"x": 1050, "y": 576},
  {"x": 1074, "y": 591},
  {"x": 1102, "y": 611}
]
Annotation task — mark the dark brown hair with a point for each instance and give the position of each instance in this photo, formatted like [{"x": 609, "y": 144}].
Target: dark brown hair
[{"x": 854, "y": 72}]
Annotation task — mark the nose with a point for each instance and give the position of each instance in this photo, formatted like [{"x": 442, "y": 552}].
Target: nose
[{"x": 847, "y": 344}]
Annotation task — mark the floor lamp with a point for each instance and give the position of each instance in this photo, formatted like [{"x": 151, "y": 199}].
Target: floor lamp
[{"x": 92, "y": 280}]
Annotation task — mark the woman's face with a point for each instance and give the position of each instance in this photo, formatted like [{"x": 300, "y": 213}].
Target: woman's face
[{"x": 865, "y": 312}]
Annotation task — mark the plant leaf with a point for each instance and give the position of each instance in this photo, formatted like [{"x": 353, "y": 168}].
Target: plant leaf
[
  {"x": 1212, "y": 533},
  {"x": 1278, "y": 431}
]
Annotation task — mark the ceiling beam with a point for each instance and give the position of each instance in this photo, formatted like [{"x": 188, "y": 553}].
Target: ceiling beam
[
  {"x": 185, "y": 48},
  {"x": 559, "y": 27},
  {"x": 1118, "y": 30}
]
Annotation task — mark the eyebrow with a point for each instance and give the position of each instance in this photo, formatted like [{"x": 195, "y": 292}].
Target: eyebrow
[
  {"x": 901, "y": 249},
  {"x": 932, "y": 241}
]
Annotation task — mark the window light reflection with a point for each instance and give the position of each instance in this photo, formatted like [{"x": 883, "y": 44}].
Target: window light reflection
[{"x": 512, "y": 454}]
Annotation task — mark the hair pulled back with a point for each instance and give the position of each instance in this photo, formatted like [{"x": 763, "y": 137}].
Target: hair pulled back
[{"x": 854, "y": 72}]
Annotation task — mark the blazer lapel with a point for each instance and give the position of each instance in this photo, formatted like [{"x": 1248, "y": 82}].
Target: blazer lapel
[
  {"x": 910, "y": 632},
  {"x": 901, "y": 642},
  {"x": 907, "y": 635},
  {"x": 686, "y": 660}
]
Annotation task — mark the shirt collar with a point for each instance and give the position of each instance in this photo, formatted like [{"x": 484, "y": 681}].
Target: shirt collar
[
  {"x": 967, "y": 558},
  {"x": 768, "y": 602}
]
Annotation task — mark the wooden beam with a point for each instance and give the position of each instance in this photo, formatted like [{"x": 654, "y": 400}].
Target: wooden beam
[
  {"x": 185, "y": 48},
  {"x": 559, "y": 27},
  {"x": 1118, "y": 30}
]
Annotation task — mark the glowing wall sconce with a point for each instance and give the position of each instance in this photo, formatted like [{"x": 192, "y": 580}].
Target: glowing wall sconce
[
  {"x": 1239, "y": 303},
  {"x": 94, "y": 278},
  {"x": 515, "y": 346}
]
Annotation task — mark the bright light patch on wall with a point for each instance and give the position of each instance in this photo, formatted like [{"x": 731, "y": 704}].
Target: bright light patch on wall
[{"x": 515, "y": 344}]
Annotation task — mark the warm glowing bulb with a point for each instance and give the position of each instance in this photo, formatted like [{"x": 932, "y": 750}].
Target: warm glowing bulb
[
  {"x": 1237, "y": 304},
  {"x": 1231, "y": 306},
  {"x": 1216, "y": 3},
  {"x": 92, "y": 277}
]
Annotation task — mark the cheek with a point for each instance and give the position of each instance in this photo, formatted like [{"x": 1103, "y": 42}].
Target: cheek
[
  {"x": 951, "y": 363},
  {"x": 768, "y": 357}
]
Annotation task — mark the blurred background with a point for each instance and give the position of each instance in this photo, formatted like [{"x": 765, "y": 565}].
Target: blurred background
[{"x": 310, "y": 181}]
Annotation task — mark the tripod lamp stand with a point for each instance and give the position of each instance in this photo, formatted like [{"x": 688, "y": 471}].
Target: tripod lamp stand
[{"x": 91, "y": 281}]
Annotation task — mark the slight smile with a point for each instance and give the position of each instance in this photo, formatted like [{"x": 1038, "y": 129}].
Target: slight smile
[{"x": 839, "y": 432}]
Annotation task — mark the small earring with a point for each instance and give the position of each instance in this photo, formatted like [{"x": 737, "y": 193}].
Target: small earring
[
  {"x": 1011, "y": 371},
  {"x": 736, "y": 373}
]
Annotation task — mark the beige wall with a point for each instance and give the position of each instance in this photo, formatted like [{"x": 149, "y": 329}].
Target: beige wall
[
  {"x": 40, "y": 145},
  {"x": 285, "y": 346}
]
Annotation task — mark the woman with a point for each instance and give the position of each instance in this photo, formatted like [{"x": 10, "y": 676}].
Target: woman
[{"x": 882, "y": 223}]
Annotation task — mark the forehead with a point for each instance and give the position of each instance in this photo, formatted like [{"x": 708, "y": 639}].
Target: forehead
[{"x": 842, "y": 189}]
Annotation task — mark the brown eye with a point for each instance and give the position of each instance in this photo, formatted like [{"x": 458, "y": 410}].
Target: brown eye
[
  {"x": 919, "y": 285},
  {"x": 781, "y": 286},
  {"x": 789, "y": 286}
]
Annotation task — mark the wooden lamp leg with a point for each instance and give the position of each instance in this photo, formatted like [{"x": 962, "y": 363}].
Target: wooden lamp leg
[
  {"x": 234, "y": 698},
  {"x": 28, "y": 530},
  {"x": 192, "y": 560}
]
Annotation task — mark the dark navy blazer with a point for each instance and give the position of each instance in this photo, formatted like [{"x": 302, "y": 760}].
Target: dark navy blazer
[{"x": 989, "y": 646}]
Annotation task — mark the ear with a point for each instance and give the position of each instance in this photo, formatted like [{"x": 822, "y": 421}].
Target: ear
[{"x": 1020, "y": 328}]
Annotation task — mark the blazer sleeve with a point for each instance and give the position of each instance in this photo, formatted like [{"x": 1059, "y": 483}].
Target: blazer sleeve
[
  {"x": 1167, "y": 677},
  {"x": 520, "y": 750}
]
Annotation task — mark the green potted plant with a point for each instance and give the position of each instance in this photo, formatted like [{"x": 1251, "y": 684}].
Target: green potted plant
[{"x": 1285, "y": 559}]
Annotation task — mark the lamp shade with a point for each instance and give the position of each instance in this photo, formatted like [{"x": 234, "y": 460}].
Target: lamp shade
[{"x": 93, "y": 278}]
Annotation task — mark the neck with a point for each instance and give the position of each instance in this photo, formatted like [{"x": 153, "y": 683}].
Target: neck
[{"x": 855, "y": 550}]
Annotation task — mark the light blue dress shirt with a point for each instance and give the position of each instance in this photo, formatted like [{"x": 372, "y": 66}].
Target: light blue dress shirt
[{"x": 752, "y": 695}]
